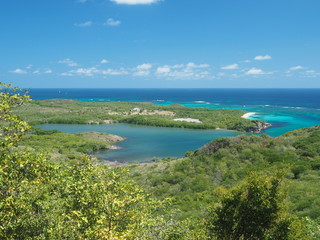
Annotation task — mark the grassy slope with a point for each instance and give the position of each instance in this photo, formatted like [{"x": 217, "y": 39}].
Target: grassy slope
[
  {"x": 195, "y": 181},
  {"x": 68, "y": 111}
]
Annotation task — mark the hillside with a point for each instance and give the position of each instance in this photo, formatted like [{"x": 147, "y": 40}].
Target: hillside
[{"x": 195, "y": 181}]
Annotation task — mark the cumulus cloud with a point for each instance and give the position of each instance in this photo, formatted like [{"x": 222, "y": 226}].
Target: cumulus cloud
[
  {"x": 19, "y": 71},
  {"x": 103, "y": 61},
  {"x": 230, "y": 67},
  {"x": 68, "y": 62},
  {"x": 163, "y": 69},
  {"x": 92, "y": 71},
  {"x": 145, "y": 66},
  {"x": 135, "y": 2},
  {"x": 142, "y": 70},
  {"x": 193, "y": 65},
  {"x": 184, "y": 71},
  {"x": 85, "y": 24},
  {"x": 296, "y": 68},
  {"x": 255, "y": 71},
  {"x": 189, "y": 71},
  {"x": 265, "y": 57},
  {"x": 112, "y": 22}
]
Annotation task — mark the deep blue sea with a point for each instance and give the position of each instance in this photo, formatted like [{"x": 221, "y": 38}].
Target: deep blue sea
[{"x": 285, "y": 109}]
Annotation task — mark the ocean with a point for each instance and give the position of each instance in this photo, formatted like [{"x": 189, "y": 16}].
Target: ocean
[{"x": 285, "y": 109}]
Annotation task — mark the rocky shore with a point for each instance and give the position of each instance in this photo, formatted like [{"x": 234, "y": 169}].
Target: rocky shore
[{"x": 259, "y": 127}]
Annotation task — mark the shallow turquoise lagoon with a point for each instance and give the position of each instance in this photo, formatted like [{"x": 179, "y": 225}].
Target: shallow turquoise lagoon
[
  {"x": 147, "y": 143},
  {"x": 282, "y": 118}
]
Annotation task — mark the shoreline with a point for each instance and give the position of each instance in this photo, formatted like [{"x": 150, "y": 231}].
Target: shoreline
[{"x": 247, "y": 115}]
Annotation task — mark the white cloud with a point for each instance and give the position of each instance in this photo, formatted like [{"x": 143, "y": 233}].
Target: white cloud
[
  {"x": 296, "y": 68},
  {"x": 266, "y": 57},
  {"x": 120, "y": 71},
  {"x": 104, "y": 61},
  {"x": 141, "y": 73},
  {"x": 66, "y": 74},
  {"x": 255, "y": 71},
  {"x": 135, "y": 2},
  {"x": 193, "y": 65},
  {"x": 143, "y": 70},
  {"x": 163, "y": 69},
  {"x": 84, "y": 71},
  {"x": 19, "y": 71},
  {"x": 91, "y": 72},
  {"x": 177, "y": 66},
  {"x": 69, "y": 62},
  {"x": 85, "y": 24},
  {"x": 112, "y": 22},
  {"x": 38, "y": 72},
  {"x": 145, "y": 66},
  {"x": 189, "y": 71},
  {"x": 230, "y": 67},
  {"x": 48, "y": 71}
]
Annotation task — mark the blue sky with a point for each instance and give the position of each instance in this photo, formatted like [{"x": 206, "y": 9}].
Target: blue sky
[{"x": 160, "y": 43}]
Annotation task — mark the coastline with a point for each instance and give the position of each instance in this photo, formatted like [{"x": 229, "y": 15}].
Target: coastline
[{"x": 247, "y": 115}]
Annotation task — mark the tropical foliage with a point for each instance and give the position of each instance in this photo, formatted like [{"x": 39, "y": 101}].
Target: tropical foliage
[{"x": 229, "y": 189}]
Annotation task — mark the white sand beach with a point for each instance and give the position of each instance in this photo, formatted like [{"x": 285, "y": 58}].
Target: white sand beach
[
  {"x": 187, "y": 120},
  {"x": 247, "y": 115}
]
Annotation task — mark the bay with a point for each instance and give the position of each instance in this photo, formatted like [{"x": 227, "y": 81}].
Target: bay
[
  {"x": 285, "y": 109},
  {"x": 147, "y": 143}
]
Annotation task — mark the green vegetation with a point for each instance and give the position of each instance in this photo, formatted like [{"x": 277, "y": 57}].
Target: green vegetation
[
  {"x": 44, "y": 199},
  {"x": 254, "y": 210},
  {"x": 73, "y": 112},
  {"x": 62, "y": 145},
  {"x": 228, "y": 189},
  {"x": 193, "y": 182}
]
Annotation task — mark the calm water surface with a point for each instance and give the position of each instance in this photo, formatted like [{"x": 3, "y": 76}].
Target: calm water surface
[
  {"x": 147, "y": 143},
  {"x": 285, "y": 109}
]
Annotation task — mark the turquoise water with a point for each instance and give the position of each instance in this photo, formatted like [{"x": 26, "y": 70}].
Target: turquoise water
[
  {"x": 282, "y": 118},
  {"x": 147, "y": 143},
  {"x": 285, "y": 109}
]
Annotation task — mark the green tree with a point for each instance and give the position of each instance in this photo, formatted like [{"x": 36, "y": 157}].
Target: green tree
[
  {"x": 42, "y": 199},
  {"x": 254, "y": 210}
]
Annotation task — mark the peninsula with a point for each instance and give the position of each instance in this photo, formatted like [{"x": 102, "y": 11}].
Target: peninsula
[{"x": 139, "y": 113}]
